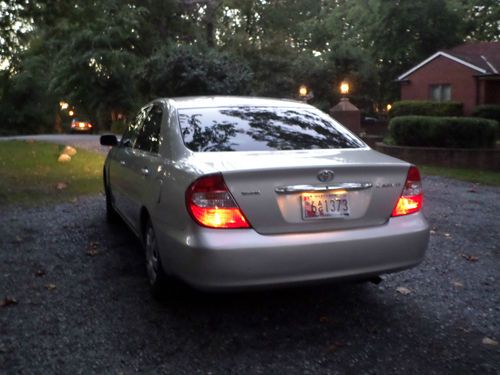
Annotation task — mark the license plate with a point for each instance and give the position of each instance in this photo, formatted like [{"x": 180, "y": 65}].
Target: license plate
[{"x": 323, "y": 206}]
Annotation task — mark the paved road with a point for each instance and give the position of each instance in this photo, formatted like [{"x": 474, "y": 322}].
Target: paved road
[
  {"x": 83, "y": 305},
  {"x": 86, "y": 141}
]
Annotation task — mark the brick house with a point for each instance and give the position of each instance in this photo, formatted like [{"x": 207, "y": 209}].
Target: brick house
[{"x": 469, "y": 73}]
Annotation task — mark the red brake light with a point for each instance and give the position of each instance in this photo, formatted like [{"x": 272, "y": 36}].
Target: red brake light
[
  {"x": 411, "y": 198},
  {"x": 210, "y": 203}
]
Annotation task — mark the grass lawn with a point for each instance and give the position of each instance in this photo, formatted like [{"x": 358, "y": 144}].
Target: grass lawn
[
  {"x": 30, "y": 173},
  {"x": 471, "y": 175}
]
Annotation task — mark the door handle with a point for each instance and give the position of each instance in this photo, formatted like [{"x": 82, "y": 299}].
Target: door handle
[
  {"x": 144, "y": 171},
  {"x": 122, "y": 162}
]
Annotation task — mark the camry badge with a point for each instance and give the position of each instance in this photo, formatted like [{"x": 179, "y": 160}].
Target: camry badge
[{"x": 325, "y": 175}]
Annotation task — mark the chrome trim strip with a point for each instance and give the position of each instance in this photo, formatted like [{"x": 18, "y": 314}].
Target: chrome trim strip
[{"x": 349, "y": 186}]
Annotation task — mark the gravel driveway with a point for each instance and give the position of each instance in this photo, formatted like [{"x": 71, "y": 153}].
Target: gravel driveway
[{"x": 83, "y": 305}]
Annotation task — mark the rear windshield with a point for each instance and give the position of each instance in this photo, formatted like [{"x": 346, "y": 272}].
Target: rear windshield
[{"x": 260, "y": 129}]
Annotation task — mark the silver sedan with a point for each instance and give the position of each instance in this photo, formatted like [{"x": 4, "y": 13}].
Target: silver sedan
[{"x": 238, "y": 192}]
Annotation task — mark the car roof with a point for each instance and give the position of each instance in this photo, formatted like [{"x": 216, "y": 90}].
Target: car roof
[{"x": 232, "y": 101}]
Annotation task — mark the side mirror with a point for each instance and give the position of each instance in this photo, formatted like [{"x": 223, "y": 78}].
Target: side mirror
[{"x": 109, "y": 140}]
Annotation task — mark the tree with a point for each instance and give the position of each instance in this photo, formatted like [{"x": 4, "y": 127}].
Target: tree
[
  {"x": 194, "y": 70},
  {"x": 113, "y": 55}
]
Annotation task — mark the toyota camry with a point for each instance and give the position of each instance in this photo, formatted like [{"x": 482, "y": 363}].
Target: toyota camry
[{"x": 240, "y": 192}]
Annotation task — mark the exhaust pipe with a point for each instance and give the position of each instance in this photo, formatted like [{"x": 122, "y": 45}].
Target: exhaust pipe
[{"x": 376, "y": 280}]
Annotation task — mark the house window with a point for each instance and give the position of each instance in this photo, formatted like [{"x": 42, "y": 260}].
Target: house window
[{"x": 441, "y": 93}]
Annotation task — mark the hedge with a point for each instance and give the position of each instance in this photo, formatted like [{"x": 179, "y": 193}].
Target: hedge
[
  {"x": 425, "y": 108},
  {"x": 451, "y": 132},
  {"x": 489, "y": 111}
]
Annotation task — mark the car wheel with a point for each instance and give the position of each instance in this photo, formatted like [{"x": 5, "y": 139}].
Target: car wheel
[
  {"x": 111, "y": 214},
  {"x": 156, "y": 275}
]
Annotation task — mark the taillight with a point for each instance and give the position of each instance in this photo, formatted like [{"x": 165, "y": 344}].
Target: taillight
[
  {"x": 411, "y": 197},
  {"x": 210, "y": 203}
]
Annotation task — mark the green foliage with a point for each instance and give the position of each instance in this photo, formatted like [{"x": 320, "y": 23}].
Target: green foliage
[
  {"x": 191, "y": 70},
  {"x": 426, "y": 108},
  {"x": 489, "y": 111},
  {"x": 115, "y": 56},
  {"x": 25, "y": 105},
  {"x": 118, "y": 127},
  {"x": 427, "y": 131}
]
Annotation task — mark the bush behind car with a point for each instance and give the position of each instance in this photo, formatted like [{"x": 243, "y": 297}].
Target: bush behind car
[
  {"x": 451, "y": 132},
  {"x": 425, "y": 108}
]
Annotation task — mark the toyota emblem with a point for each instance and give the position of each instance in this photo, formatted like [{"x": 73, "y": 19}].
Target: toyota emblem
[{"x": 325, "y": 175}]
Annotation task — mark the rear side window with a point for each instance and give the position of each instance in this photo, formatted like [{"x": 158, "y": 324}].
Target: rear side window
[
  {"x": 149, "y": 134},
  {"x": 260, "y": 129},
  {"x": 131, "y": 133}
]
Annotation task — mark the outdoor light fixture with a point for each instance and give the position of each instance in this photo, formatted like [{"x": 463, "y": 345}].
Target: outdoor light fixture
[
  {"x": 63, "y": 105},
  {"x": 71, "y": 112},
  {"x": 388, "y": 107},
  {"x": 303, "y": 91},
  {"x": 344, "y": 87}
]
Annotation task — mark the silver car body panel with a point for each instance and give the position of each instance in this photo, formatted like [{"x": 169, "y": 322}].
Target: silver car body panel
[{"x": 280, "y": 248}]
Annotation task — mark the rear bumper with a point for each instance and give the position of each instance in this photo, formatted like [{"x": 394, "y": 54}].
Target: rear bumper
[{"x": 225, "y": 259}]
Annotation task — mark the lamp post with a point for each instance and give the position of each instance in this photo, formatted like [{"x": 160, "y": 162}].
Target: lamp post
[
  {"x": 305, "y": 94},
  {"x": 345, "y": 112},
  {"x": 303, "y": 91},
  {"x": 344, "y": 88}
]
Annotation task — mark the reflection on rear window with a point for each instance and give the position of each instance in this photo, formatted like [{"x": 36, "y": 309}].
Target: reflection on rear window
[{"x": 260, "y": 129}]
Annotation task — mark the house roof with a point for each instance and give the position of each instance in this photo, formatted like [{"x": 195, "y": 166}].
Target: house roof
[{"x": 483, "y": 57}]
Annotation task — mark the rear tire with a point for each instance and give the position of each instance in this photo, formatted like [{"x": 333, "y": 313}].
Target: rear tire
[{"x": 156, "y": 275}]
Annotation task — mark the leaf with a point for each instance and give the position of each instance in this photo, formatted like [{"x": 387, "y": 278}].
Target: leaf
[
  {"x": 324, "y": 319},
  {"x": 402, "y": 290},
  {"x": 8, "y": 301},
  {"x": 51, "y": 286},
  {"x": 92, "y": 252},
  {"x": 39, "y": 273},
  {"x": 61, "y": 185},
  {"x": 470, "y": 258},
  {"x": 93, "y": 249},
  {"x": 489, "y": 341},
  {"x": 336, "y": 346},
  {"x": 472, "y": 189},
  {"x": 457, "y": 284}
]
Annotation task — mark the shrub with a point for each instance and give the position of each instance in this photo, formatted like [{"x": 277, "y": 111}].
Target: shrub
[
  {"x": 427, "y": 131},
  {"x": 426, "y": 108},
  {"x": 489, "y": 111},
  {"x": 118, "y": 127}
]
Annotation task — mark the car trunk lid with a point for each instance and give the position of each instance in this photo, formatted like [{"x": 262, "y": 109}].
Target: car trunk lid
[{"x": 310, "y": 191}]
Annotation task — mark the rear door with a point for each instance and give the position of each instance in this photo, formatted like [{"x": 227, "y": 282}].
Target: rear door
[
  {"x": 121, "y": 175},
  {"x": 145, "y": 168}
]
